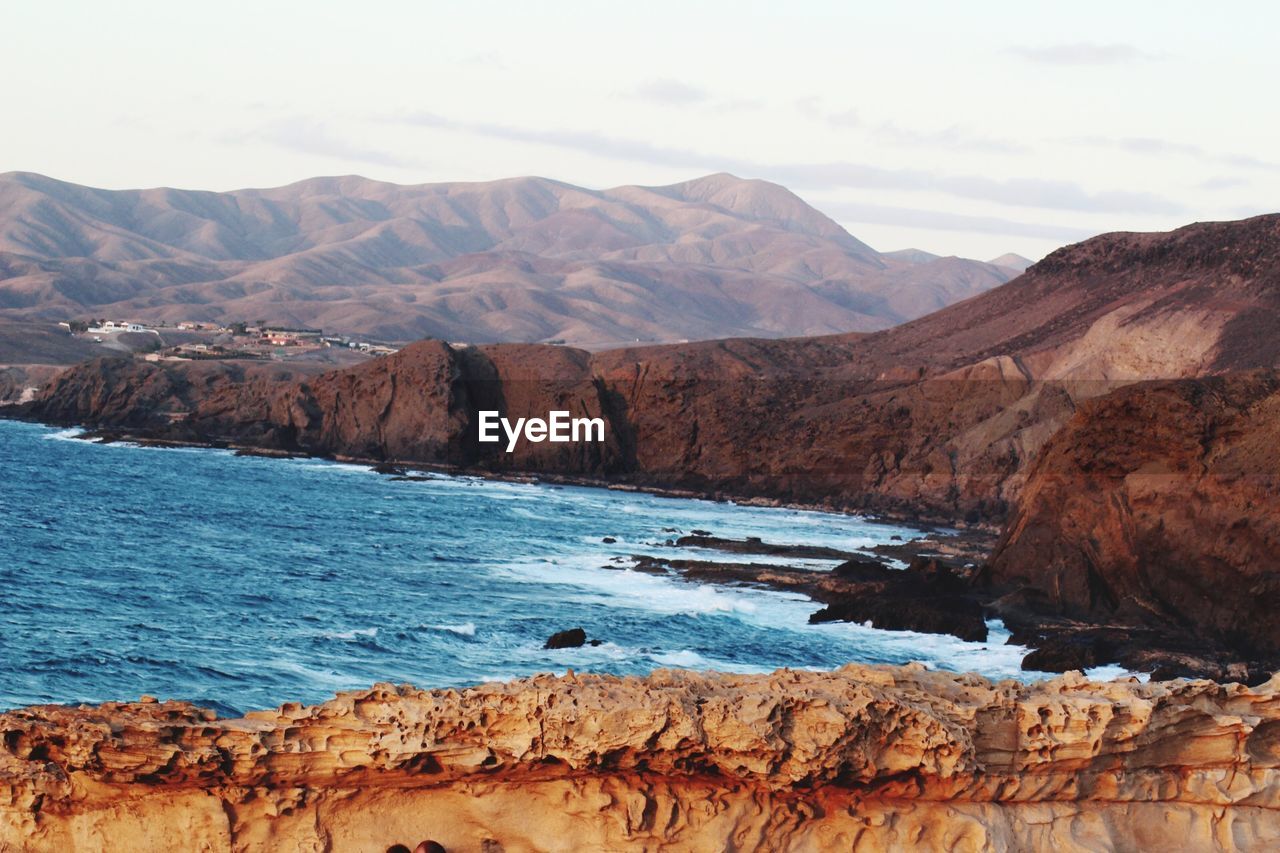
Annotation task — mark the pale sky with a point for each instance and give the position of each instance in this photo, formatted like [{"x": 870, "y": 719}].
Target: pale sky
[{"x": 962, "y": 128}]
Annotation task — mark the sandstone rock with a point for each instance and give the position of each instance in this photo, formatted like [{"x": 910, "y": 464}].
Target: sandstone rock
[{"x": 859, "y": 758}]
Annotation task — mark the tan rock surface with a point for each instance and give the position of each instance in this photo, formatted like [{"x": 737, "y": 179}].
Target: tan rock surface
[{"x": 860, "y": 758}]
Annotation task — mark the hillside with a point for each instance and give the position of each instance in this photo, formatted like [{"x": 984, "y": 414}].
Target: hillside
[
  {"x": 525, "y": 259},
  {"x": 938, "y": 416},
  {"x": 940, "y": 419}
]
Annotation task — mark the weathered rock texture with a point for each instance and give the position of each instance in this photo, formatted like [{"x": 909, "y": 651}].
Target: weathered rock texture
[{"x": 861, "y": 758}]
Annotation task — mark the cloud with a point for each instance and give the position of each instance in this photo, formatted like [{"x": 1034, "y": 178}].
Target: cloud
[
  {"x": 1148, "y": 145},
  {"x": 952, "y": 138},
  {"x": 949, "y": 138},
  {"x": 847, "y": 118},
  {"x": 1084, "y": 53},
  {"x": 311, "y": 136},
  {"x": 676, "y": 93},
  {"x": 935, "y": 220},
  {"x": 1221, "y": 183},
  {"x": 668, "y": 91},
  {"x": 1019, "y": 192},
  {"x": 587, "y": 142}
]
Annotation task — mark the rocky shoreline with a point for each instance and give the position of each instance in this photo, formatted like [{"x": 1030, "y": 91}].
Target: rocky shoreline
[
  {"x": 409, "y": 470},
  {"x": 945, "y": 588}
]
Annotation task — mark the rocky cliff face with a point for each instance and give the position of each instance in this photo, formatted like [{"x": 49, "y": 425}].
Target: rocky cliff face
[
  {"x": 862, "y": 758},
  {"x": 1161, "y": 500},
  {"x": 743, "y": 418}
]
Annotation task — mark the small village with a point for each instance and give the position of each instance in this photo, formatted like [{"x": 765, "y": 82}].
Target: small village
[{"x": 195, "y": 340}]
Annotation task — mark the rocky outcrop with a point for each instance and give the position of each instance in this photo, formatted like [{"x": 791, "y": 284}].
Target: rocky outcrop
[
  {"x": 1160, "y": 502},
  {"x": 739, "y": 418},
  {"x": 20, "y": 383},
  {"x": 860, "y": 758}
]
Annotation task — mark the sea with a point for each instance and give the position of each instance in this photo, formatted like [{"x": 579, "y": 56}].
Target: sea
[{"x": 244, "y": 582}]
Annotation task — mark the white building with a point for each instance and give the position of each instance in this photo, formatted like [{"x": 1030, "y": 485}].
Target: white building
[{"x": 118, "y": 326}]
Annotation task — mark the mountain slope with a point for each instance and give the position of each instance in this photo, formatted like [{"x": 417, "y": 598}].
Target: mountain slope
[
  {"x": 523, "y": 259},
  {"x": 1012, "y": 261}
]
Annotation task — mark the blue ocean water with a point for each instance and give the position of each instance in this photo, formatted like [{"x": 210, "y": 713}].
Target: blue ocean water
[{"x": 244, "y": 582}]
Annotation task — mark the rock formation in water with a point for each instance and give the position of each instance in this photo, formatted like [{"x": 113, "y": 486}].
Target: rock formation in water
[{"x": 860, "y": 758}]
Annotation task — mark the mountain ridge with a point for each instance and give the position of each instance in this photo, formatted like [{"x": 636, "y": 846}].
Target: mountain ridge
[{"x": 518, "y": 259}]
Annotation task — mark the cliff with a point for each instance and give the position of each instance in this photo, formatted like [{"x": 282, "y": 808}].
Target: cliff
[
  {"x": 866, "y": 758},
  {"x": 1160, "y": 501},
  {"x": 940, "y": 417}
]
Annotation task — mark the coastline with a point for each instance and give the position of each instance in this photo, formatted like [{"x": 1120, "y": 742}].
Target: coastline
[
  {"x": 938, "y": 593},
  {"x": 938, "y": 523}
]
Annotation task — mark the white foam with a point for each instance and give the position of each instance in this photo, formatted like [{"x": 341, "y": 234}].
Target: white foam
[
  {"x": 1112, "y": 671},
  {"x": 64, "y": 435},
  {"x": 638, "y": 590},
  {"x": 684, "y": 659},
  {"x": 326, "y": 466},
  {"x": 353, "y": 634},
  {"x": 464, "y": 629}
]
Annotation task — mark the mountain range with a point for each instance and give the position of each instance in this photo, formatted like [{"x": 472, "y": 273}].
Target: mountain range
[{"x": 524, "y": 259}]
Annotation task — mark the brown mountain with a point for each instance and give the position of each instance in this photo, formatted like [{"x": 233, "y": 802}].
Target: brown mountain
[
  {"x": 525, "y": 259},
  {"x": 941, "y": 415}
]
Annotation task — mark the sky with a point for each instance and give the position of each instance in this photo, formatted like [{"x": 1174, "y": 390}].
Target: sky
[{"x": 971, "y": 128}]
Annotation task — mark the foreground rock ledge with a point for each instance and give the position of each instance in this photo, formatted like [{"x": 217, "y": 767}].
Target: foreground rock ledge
[{"x": 863, "y": 757}]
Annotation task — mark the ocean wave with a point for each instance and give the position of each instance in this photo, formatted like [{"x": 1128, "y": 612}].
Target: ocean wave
[
  {"x": 684, "y": 659},
  {"x": 642, "y": 591},
  {"x": 464, "y": 629},
  {"x": 352, "y": 635},
  {"x": 72, "y": 434}
]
